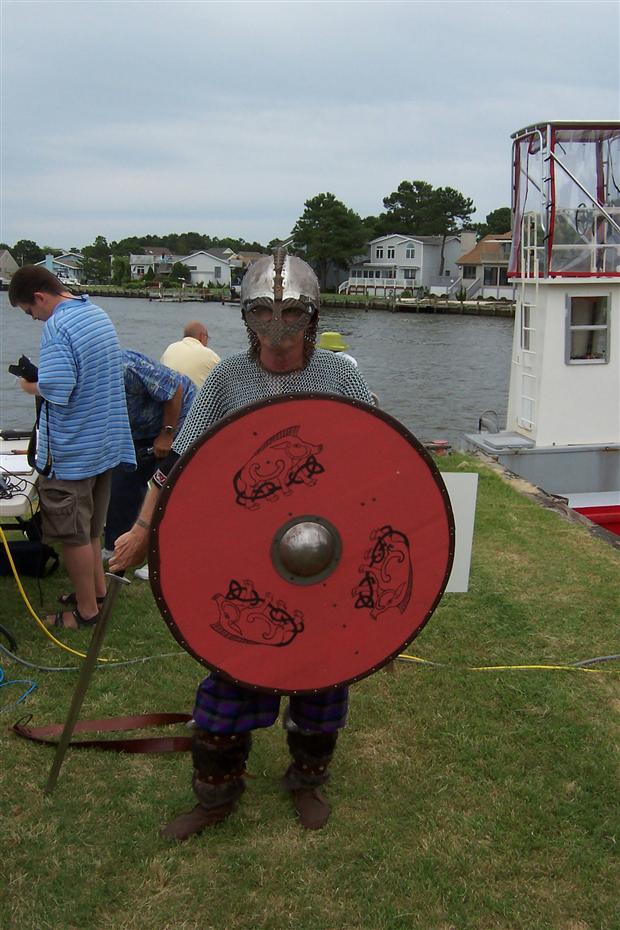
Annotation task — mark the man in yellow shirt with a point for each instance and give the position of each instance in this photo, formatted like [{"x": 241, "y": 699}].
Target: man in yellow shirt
[{"x": 192, "y": 356}]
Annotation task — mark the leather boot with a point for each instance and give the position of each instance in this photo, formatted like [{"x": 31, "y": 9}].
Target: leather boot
[
  {"x": 193, "y": 822},
  {"x": 219, "y": 766},
  {"x": 312, "y": 753},
  {"x": 310, "y": 803}
]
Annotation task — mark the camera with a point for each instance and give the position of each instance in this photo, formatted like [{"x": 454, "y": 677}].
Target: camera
[{"x": 25, "y": 369}]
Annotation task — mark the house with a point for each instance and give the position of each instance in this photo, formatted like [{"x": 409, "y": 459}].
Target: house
[
  {"x": 335, "y": 274},
  {"x": 246, "y": 258},
  {"x": 484, "y": 270},
  {"x": 233, "y": 258},
  {"x": 8, "y": 266},
  {"x": 208, "y": 267},
  {"x": 239, "y": 263},
  {"x": 158, "y": 258},
  {"x": 224, "y": 252},
  {"x": 67, "y": 267},
  {"x": 396, "y": 262}
]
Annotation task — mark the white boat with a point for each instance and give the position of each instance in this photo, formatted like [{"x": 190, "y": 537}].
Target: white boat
[{"x": 563, "y": 425}]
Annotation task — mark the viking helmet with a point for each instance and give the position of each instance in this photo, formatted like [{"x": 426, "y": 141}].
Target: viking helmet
[{"x": 288, "y": 287}]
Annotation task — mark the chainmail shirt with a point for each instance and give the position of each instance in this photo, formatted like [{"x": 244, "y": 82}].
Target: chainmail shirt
[{"x": 240, "y": 380}]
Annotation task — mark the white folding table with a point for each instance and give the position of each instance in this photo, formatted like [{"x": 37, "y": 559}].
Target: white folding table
[{"x": 18, "y": 482}]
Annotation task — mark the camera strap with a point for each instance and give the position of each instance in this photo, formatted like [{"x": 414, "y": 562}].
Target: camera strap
[{"x": 34, "y": 440}]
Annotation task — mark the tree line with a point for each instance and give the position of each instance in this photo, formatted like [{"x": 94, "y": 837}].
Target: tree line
[
  {"x": 327, "y": 232},
  {"x": 331, "y": 233}
]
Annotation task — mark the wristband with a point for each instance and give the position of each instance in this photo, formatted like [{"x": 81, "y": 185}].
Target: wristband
[{"x": 143, "y": 524}]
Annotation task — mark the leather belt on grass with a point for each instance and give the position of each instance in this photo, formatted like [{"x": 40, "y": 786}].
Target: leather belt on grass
[{"x": 45, "y": 733}]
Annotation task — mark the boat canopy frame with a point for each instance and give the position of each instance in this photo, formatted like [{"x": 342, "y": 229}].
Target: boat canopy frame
[{"x": 566, "y": 183}]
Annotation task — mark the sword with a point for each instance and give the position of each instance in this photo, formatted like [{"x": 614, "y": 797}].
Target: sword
[{"x": 85, "y": 676}]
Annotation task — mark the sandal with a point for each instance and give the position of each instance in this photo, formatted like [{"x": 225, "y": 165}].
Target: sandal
[
  {"x": 69, "y": 600},
  {"x": 58, "y": 620}
]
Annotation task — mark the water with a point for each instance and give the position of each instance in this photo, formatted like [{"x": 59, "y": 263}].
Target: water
[{"x": 435, "y": 373}]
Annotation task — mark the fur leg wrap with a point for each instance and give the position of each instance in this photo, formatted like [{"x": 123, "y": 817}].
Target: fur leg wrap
[
  {"x": 312, "y": 753},
  {"x": 219, "y": 767}
]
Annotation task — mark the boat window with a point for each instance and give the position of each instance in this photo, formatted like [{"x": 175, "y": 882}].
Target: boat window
[
  {"x": 587, "y": 330},
  {"x": 528, "y": 402}
]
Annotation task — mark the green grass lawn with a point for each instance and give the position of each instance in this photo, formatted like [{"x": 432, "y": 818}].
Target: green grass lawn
[{"x": 462, "y": 800}]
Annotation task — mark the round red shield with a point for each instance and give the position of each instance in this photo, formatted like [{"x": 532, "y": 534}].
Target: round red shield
[{"x": 301, "y": 543}]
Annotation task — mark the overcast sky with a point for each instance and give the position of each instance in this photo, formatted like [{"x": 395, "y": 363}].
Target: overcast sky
[{"x": 134, "y": 117}]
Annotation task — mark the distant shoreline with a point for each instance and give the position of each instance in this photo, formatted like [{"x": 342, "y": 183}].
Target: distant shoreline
[{"x": 440, "y": 305}]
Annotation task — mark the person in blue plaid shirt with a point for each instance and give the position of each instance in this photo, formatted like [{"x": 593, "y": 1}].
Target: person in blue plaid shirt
[
  {"x": 158, "y": 400},
  {"x": 280, "y": 304}
]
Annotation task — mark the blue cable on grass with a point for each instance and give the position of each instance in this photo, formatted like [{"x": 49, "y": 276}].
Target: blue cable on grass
[{"x": 16, "y": 681}]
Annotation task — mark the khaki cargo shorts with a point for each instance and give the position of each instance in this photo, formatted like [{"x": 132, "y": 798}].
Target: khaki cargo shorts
[{"x": 74, "y": 512}]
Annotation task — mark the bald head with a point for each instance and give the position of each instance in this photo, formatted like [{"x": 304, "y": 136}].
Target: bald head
[{"x": 197, "y": 330}]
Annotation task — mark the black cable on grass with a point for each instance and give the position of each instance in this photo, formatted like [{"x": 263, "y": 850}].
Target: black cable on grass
[
  {"x": 76, "y": 668},
  {"x": 9, "y": 637},
  {"x": 597, "y": 659}
]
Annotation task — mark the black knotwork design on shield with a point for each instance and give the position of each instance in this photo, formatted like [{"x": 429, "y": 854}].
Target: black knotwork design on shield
[
  {"x": 247, "y": 617},
  {"x": 386, "y": 575},
  {"x": 282, "y": 461}
]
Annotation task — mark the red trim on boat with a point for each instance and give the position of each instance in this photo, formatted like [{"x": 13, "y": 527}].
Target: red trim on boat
[{"x": 607, "y": 517}]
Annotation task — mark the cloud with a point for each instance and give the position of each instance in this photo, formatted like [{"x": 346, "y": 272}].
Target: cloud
[{"x": 128, "y": 118}]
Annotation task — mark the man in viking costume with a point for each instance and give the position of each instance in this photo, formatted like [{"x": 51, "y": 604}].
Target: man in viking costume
[{"x": 280, "y": 307}]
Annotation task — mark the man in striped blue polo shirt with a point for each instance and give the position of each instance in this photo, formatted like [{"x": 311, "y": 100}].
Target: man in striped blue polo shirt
[{"x": 83, "y": 430}]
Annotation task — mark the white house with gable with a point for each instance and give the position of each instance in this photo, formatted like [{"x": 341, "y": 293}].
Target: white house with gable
[
  {"x": 485, "y": 269},
  {"x": 396, "y": 263},
  {"x": 206, "y": 267},
  {"x": 67, "y": 267}
]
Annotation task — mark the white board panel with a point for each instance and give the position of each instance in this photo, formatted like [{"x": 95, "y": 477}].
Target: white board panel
[{"x": 463, "y": 489}]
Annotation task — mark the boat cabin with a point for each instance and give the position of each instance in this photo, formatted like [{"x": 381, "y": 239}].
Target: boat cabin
[{"x": 564, "y": 394}]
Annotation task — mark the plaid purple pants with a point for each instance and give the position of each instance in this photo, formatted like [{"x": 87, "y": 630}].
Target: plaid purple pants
[{"x": 223, "y": 707}]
